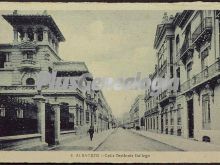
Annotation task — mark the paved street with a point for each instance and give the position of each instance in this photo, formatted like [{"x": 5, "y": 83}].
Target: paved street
[{"x": 125, "y": 140}]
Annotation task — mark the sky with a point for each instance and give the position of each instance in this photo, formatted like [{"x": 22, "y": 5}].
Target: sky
[{"x": 112, "y": 43}]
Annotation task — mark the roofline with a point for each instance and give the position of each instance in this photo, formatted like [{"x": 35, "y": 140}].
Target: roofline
[{"x": 61, "y": 37}]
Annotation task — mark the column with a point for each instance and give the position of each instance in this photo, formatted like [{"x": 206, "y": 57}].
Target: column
[
  {"x": 56, "y": 109},
  {"x": 15, "y": 35},
  {"x": 145, "y": 124},
  {"x": 175, "y": 121},
  {"x": 73, "y": 111},
  {"x": 35, "y": 34},
  {"x": 84, "y": 112},
  {"x": 80, "y": 115},
  {"x": 40, "y": 102},
  {"x": 159, "y": 119},
  {"x": 25, "y": 34},
  {"x": 169, "y": 118},
  {"x": 45, "y": 35}
]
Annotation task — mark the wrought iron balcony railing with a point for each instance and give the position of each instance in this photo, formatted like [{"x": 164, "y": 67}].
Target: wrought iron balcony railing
[
  {"x": 166, "y": 94},
  {"x": 186, "y": 47},
  {"x": 206, "y": 24},
  {"x": 205, "y": 75},
  {"x": 28, "y": 61}
]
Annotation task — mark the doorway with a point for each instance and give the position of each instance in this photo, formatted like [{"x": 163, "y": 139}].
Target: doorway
[
  {"x": 161, "y": 123},
  {"x": 49, "y": 125},
  {"x": 190, "y": 118}
]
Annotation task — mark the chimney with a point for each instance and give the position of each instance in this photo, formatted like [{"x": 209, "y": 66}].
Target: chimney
[
  {"x": 45, "y": 12},
  {"x": 165, "y": 17},
  {"x": 15, "y": 12}
]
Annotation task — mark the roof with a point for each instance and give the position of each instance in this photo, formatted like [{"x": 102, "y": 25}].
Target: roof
[
  {"x": 167, "y": 22},
  {"x": 46, "y": 20},
  {"x": 70, "y": 66}
]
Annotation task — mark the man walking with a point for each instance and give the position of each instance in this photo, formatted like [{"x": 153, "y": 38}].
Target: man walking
[{"x": 91, "y": 132}]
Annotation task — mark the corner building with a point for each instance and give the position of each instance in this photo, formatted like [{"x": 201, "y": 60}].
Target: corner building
[
  {"x": 188, "y": 48},
  {"x": 46, "y": 116}
]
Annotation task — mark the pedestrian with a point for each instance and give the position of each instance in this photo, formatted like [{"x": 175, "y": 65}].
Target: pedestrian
[{"x": 91, "y": 132}]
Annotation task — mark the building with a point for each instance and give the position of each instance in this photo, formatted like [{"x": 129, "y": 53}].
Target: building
[
  {"x": 126, "y": 122},
  {"x": 191, "y": 53},
  {"x": 151, "y": 114},
  {"x": 29, "y": 114},
  {"x": 137, "y": 112}
]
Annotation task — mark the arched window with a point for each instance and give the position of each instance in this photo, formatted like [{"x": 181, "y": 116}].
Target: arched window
[
  {"x": 40, "y": 34},
  {"x": 30, "y": 81},
  {"x": 2, "y": 110},
  {"x": 53, "y": 43},
  {"x": 30, "y": 34},
  {"x": 206, "y": 139},
  {"x": 20, "y": 34}
]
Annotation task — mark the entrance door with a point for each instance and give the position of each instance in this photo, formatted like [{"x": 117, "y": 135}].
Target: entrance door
[
  {"x": 161, "y": 123},
  {"x": 49, "y": 125},
  {"x": 190, "y": 118}
]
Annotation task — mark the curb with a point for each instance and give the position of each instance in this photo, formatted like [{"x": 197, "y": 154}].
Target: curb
[
  {"x": 156, "y": 140},
  {"x": 95, "y": 148}
]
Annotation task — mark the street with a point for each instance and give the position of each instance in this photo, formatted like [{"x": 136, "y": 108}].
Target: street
[{"x": 125, "y": 140}]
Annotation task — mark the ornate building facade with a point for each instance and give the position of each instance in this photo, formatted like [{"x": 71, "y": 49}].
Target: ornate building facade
[
  {"x": 137, "y": 111},
  {"x": 187, "y": 47},
  {"x": 32, "y": 115}
]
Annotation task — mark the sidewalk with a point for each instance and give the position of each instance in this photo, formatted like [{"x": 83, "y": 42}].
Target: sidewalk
[
  {"x": 85, "y": 143},
  {"x": 179, "y": 142}
]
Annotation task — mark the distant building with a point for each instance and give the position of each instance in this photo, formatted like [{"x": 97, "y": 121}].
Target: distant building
[
  {"x": 126, "y": 122},
  {"x": 137, "y": 112}
]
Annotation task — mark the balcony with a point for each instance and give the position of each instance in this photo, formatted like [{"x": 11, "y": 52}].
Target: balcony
[
  {"x": 203, "y": 31},
  {"x": 29, "y": 64},
  {"x": 151, "y": 111},
  {"x": 207, "y": 74},
  {"x": 166, "y": 96},
  {"x": 186, "y": 48},
  {"x": 163, "y": 67},
  {"x": 90, "y": 100}
]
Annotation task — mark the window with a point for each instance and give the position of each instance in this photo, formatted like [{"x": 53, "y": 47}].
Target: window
[
  {"x": 166, "y": 118},
  {"x": 2, "y": 111},
  {"x": 71, "y": 117},
  {"x": 188, "y": 69},
  {"x": 28, "y": 55},
  {"x": 20, "y": 113},
  {"x": 95, "y": 117},
  {"x": 154, "y": 122},
  {"x": 40, "y": 34},
  {"x": 87, "y": 116},
  {"x": 178, "y": 76},
  {"x": 30, "y": 34},
  {"x": 30, "y": 81},
  {"x": 157, "y": 123},
  {"x": 204, "y": 59},
  {"x": 177, "y": 45},
  {"x": 206, "y": 117},
  {"x": 47, "y": 57},
  {"x": 171, "y": 118},
  {"x": 21, "y": 34},
  {"x": 81, "y": 115},
  {"x": 2, "y": 60},
  {"x": 179, "y": 114}
]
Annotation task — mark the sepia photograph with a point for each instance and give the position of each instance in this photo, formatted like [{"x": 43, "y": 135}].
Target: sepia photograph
[{"x": 120, "y": 82}]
